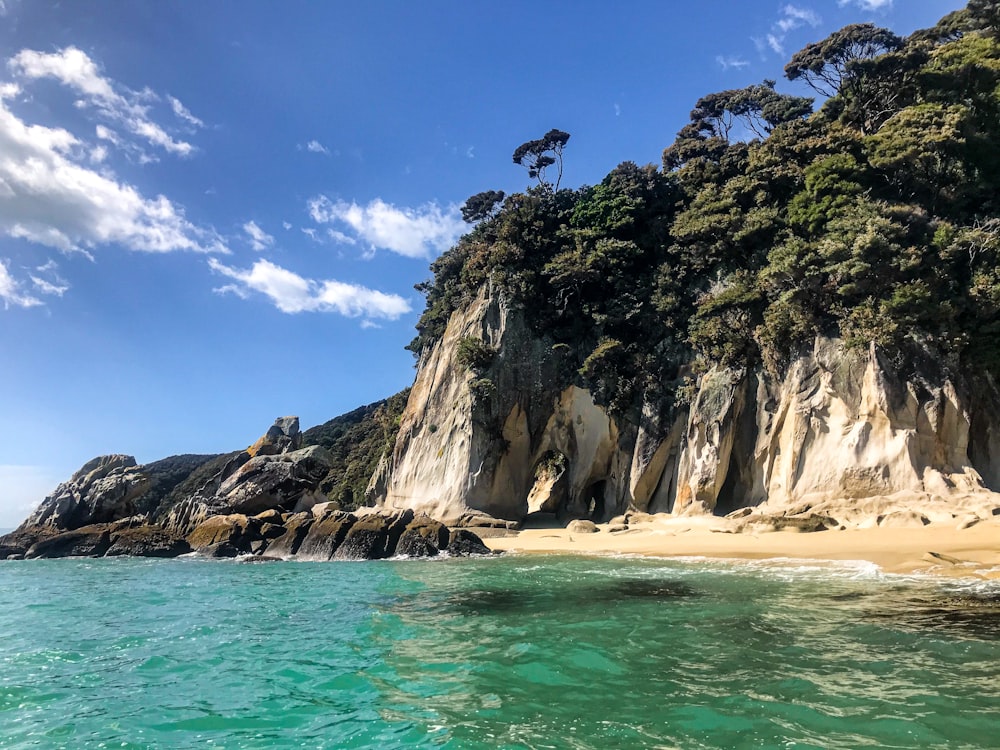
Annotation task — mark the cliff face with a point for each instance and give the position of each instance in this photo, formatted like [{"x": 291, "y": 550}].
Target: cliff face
[{"x": 837, "y": 433}]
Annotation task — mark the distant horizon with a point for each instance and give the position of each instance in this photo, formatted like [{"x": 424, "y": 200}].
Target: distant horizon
[{"x": 217, "y": 219}]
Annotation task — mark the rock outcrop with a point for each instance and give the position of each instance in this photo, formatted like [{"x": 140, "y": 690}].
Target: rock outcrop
[
  {"x": 839, "y": 434},
  {"x": 104, "y": 489},
  {"x": 264, "y": 501}
]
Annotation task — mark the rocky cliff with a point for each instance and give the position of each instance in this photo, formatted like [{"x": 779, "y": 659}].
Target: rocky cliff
[
  {"x": 266, "y": 499},
  {"x": 840, "y": 433}
]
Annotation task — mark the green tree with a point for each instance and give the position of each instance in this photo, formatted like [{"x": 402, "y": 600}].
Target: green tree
[
  {"x": 482, "y": 206},
  {"x": 542, "y": 153}
]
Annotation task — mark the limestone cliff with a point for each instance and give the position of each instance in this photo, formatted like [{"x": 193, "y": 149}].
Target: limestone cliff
[{"x": 838, "y": 432}]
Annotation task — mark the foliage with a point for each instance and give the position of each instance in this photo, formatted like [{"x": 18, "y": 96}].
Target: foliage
[
  {"x": 474, "y": 354},
  {"x": 876, "y": 218},
  {"x": 482, "y": 205},
  {"x": 542, "y": 153},
  {"x": 356, "y": 441}
]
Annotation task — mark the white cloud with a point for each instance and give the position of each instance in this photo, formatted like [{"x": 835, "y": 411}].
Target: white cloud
[
  {"x": 47, "y": 196},
  {"x": 414, "y": 233},
  {"x": 870, "y": 5},
  {"x": 183, "y": 113},
  {"x": 292, "y": 293},
  {"x": 470, "y": 152},
  {"x": 338, "y": 236},
  {"x": 11, "y": 293},
  {"x": 792, "y": 17},
  {"x": 73, "y": 68},
  {"x": 286, "y": 225},
  {"x": 54, "y": 285},
  {"x": 317, "y": 148},
  {"x": 259, "y": 239},
  {"x": 729, "y": 61}
]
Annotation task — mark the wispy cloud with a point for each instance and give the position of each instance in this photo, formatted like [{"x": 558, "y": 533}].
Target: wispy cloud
[
  {"x": 790, "y": 18},
  {"x": 51, "y": 195},
  {"x": 12, "y": 292},
  {"x": 413, "y": 232},
  {"x": 727, "y": 62},
  {"x": 870, "y": 5},
  {"x": 54, "y": 285},
  {"x": 259, "y": 239},
  {"x": 291, "y": 293},
  {"x": 74, "y": 69},
  {"x": 183, "y": 113}
]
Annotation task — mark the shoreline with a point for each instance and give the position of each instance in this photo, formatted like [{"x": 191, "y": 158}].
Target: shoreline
[{"x": 936, "y": 549}]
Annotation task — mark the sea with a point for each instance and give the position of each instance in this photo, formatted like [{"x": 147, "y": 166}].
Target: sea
[{"x": 519, "y": 651}]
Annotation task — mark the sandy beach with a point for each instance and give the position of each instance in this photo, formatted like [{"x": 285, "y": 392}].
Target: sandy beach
[{"x": 940, "y": 548}]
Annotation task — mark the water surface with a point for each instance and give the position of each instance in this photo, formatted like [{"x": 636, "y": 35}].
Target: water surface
[{"x": 518, "y": 652}]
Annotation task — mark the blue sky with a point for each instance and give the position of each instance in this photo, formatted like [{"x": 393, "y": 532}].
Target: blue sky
[{"x": 213, "y": 214}]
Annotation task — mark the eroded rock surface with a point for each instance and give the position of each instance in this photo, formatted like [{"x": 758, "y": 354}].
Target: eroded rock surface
[{"x": 838, "y": 430}]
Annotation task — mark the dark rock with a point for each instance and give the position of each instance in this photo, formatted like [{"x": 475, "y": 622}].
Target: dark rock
[
  {"x": 423, "y": 537},
  {"x": 463, "y": 543},
  {"x": 87, "y": 541},
  {"x": 374, "y": 536},
  {"x": 146, "y": 541},
  {"x": 325, "y": 536},
  {"x": 294, "y": 531}
]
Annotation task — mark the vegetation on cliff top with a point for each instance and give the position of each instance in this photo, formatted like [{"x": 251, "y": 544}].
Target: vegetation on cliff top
[{"x": 876, "y": 218}]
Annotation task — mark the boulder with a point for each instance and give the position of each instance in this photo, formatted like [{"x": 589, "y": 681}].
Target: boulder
[
  {"x": 582, "y": 527},
  {"x": 463, "y": 543},
  {"x": 293, "y": 531},
  {"x": 423, "y": 537},
  {"x": 374, "y": 536},
  {"x": 224, "y": 536},
  {"x": 288, "y": 480},
  {"x": 324, "y": 536},
  {"x": 87, "y": 541},
  {"x": 282, "y": 437},
  {"x": 146, "y": 541}
]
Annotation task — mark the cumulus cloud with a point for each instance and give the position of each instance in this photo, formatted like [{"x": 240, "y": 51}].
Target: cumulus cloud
[
  {"x": 292, "y": 293},
  {"x": 11, "y": 290},
  {"x": 317, "y": 148},
  {"x": 259, "y": 239},
  {"x": 50, "y": 196},
  {"x": 74, "y": 69},
  {"x": 413, "y": 232}
]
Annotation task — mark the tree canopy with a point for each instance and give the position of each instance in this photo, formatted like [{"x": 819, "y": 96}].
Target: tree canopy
[{"x": 875, "y": 218}]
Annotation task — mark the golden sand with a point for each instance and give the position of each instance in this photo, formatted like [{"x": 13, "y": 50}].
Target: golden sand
[{"x": 937, "y": 548}]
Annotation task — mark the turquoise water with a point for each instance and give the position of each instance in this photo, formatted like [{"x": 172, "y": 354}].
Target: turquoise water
[{"x": 519, "y": 652}]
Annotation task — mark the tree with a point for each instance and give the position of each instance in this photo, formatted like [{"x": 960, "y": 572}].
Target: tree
[
  {"x": 482, "y": 205},
  {"x": 827, "y": 66},
  {"x": 760, "y": 108},
  {"x": 544, "y": 152}
]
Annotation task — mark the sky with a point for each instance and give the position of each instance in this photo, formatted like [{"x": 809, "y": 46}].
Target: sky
[{"x": 213, "y": 214}]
